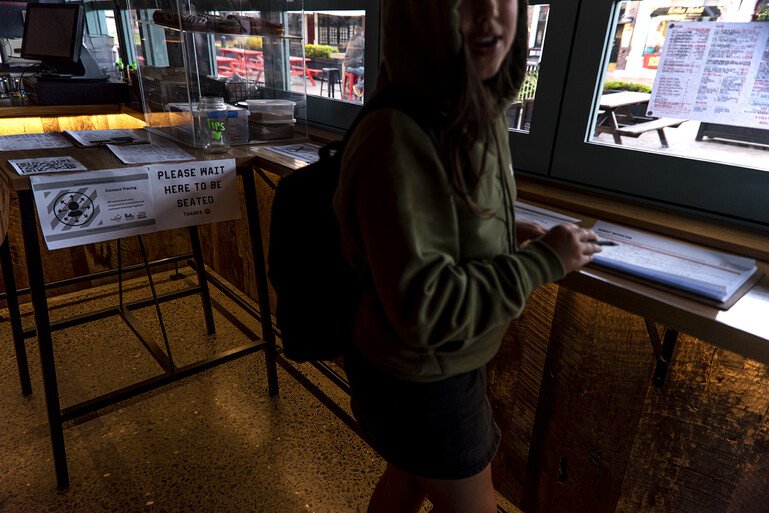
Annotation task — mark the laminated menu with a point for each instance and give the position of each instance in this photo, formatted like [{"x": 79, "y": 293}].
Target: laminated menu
[
  {"x": 715, "y": 72},
  {"x": 701, "y": 273}
]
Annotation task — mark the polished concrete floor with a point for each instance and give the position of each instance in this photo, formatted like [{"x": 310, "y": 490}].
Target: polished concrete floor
[{"x": 213, "y": 442}]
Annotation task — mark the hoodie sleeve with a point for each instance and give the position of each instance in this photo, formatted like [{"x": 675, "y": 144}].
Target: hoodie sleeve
[{"x": 408, "y": 235}]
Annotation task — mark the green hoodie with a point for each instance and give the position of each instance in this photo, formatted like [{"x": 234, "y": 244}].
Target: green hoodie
[{"x": 441, "y": 284}]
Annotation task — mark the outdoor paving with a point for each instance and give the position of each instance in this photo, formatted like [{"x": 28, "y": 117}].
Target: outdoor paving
[{"x": 682, "y": 143}]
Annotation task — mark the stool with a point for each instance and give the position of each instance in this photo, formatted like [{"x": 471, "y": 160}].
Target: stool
[
  {"x": 331, "y": 78},
  {"x": 350, "y": 79}
]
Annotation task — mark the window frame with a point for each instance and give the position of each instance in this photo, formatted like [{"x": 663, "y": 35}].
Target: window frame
[
  {"x": 532, "y": 150},
  {"x": 725, "y": 191}
]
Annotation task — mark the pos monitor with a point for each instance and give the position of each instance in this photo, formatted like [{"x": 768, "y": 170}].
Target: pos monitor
[{"x": 53, "y": 34}]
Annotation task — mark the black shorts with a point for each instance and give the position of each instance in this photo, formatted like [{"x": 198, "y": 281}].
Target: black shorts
[{"x": 437, "y": 430}]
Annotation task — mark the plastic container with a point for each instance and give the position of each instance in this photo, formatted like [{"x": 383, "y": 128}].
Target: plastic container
[
  {"x": 212, "y": 124},
  {"x": 237, "y": 121},
  {"x": 271, "y": 130},
  {"x": 270, "y": 111}
]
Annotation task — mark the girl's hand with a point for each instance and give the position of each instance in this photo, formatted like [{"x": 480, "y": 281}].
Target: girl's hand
[
  {"x": 575, "y": 246},
  {"x": 526, "y": 231}
]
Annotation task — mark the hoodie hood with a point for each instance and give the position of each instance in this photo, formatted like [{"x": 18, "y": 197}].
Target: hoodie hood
[{"x": 422, "y": 48}]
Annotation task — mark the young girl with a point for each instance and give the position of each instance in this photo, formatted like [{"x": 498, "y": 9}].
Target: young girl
[{"x": 430, "y": 228}]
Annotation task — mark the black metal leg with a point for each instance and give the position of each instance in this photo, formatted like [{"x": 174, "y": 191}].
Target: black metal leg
[
  {"x": 17, "y": 329},
  {"x": 663, "y": 139},
  {"x": 43, "y": 323},
  {"x": 260, "y": 270},
  {"x": 205, "y": 296}
]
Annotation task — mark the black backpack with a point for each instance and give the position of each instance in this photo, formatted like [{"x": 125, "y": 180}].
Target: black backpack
[{"x": 316, "y": 289}]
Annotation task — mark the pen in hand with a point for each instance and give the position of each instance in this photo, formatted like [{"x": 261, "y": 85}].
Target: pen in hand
[{"x": 606, "y": 243}]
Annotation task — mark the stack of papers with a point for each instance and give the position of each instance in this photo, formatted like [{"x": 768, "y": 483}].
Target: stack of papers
[
  {"x": 306, "y": 152},
  {"x": 545, "y": 218},
  {"x": 149, "y": 153},
  {"x": 703, "y": 272},
  {"x": 33, "y": 141},
  {"x": 90, "y": 138}
]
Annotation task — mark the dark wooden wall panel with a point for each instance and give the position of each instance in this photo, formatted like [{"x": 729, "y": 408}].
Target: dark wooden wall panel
[
  {"x": 697, "y": 433},
  {"x": 514, "y": 377},
  {"x": 752, "y": 492},
  {"x": 598, "y": 366}
]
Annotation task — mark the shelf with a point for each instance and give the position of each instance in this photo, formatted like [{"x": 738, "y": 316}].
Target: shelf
[{"x": 187, "y": 30}]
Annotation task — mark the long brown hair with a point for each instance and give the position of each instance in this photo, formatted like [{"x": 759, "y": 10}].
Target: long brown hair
[{"x": 474, "y": 114}]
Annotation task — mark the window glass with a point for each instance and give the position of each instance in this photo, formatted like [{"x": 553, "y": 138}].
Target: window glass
[
  {"x": 666, "y": 103},
  {"x": 101, "y": 37},
  {"x": 334, "y": 47},
  {"x": 689, "y": 79},
  {"x": 521, "y": 113}
]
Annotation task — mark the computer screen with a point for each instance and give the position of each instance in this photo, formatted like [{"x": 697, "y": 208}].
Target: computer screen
[{"x": 53, "y": 32}]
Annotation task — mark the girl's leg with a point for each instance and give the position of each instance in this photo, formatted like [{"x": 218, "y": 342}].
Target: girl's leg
[
  {"x": 473, "y": 494},
  {"x": 396, "y": 492}
]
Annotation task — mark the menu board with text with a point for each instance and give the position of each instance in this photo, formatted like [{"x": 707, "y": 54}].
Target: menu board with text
[{"x": 714, "y": 72}]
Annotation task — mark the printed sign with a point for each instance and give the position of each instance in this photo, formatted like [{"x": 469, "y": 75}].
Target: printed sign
[
  {"x": 191, "y": 193},
  {"x": 82, "y": 208},
  {"x": 714, "y": 72},
  {"x": 94, "y": 206}
]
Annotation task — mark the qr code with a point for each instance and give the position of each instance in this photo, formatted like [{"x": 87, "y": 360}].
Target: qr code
[{"x": 46, "y": 165}]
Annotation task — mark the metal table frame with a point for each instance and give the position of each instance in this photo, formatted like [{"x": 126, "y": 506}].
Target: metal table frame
[{"x": 44, "y": 327}]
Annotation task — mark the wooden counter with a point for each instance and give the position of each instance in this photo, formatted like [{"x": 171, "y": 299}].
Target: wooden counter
[
  {"x": 19, "y": 119},
  {"x": 15, "y": 108},
  {"x": 740, "y": 329}
]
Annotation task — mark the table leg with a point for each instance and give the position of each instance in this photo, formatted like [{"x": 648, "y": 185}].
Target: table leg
[
  {"x": 615, "y": 127},
  {"x": 17, "y": 329},
  {"x": 260, "y": 270},
  {"x": 663, "y": 139},
  {"x": 205, "y": 295},
  {"x": 44, "y": 339}
]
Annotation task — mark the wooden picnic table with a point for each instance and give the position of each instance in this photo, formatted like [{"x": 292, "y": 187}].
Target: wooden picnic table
[{"x": 617, "y": 118}]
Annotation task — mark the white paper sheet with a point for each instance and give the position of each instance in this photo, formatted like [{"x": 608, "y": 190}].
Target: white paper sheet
[
  {"x": 546, "y": 218},
  {"x": 147, "y": 153},
  {"x": 674, "y": 263},
  {"x": 33, "y": 141},
  {"x": 46, "y": 165},
  {"x": 714, "y": 71},
  {"x": 90, "y": 138},
  {"x": 192, "y": 193},
  {"x": 81, "y": 208},
  {"x": 305, "y": 152}
]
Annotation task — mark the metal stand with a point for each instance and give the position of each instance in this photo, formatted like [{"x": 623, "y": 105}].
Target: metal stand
[
  {"x": 260, "y": 266},
  {"x": 171, "y": 373},
  {"x": 663, "y": 351},
  {"x": 17, "y": 329}
]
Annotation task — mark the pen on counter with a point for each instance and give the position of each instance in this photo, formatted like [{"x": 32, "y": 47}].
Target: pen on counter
[
  {"x": 116, "y": 140},
  {"x": 601, "y": 242}
]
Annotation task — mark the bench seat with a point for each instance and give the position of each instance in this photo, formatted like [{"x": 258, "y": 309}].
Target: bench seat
[{"x": 647, "y": 126}]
